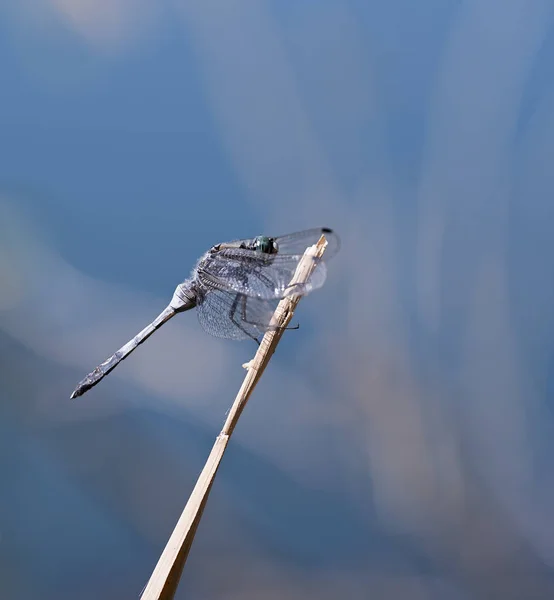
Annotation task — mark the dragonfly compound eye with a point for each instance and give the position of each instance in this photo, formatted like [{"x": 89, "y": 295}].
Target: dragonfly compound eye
[{"x": 265, "y": 244}]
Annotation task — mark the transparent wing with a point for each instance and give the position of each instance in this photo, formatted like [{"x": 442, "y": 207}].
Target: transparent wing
[
  {"x": 296, "y": 243},
  {"x": 227, "y": 314},
  {"x": 264, "y": 276}
]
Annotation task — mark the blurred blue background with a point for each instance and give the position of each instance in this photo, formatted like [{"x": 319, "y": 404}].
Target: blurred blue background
[{"x": 400, "y": 444}]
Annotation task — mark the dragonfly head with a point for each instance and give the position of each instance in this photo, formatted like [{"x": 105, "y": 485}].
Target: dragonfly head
[{"x": 265, "y": 244}]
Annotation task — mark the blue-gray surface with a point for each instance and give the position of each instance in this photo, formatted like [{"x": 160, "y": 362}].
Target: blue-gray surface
[{"x": 400, "y": 443}]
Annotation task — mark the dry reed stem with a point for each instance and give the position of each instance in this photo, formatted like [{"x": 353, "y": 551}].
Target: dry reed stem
[{"x": 165, "y": 577}]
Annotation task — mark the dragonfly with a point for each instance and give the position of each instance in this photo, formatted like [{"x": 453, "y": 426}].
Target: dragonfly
[{"x": 235, "y": 288}]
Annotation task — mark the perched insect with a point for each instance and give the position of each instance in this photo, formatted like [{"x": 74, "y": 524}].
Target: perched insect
[{"x": 235, "y": 287}]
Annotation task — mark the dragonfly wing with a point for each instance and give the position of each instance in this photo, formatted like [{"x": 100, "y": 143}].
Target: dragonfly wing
[
  {"x": 264, "y": 276},
  {"x": 227, "y": 314},
  {"x": 296, "y": 243}
]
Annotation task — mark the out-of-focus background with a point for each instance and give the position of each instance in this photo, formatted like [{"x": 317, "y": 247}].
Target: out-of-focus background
[{"x": 400, "y": 445}]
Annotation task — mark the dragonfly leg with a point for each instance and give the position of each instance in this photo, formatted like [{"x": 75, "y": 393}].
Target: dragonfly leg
[
  {"x": 262, "y": 326},
  {"x": 294, "y": 285},
  {"x": 237, "y": 323}
]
